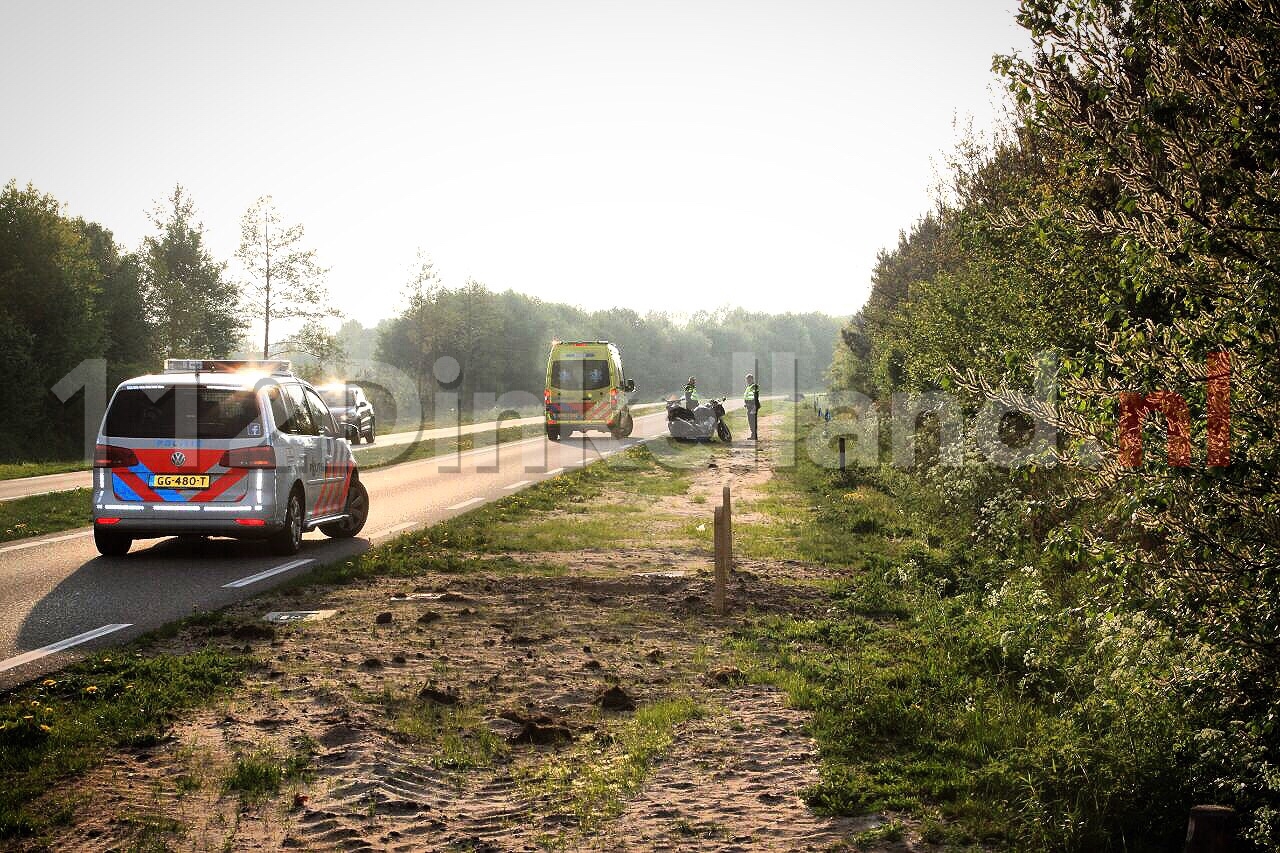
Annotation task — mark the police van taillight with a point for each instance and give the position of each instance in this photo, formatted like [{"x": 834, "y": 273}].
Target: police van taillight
[
  {"x": 111, "y": 456},
  {"x": 258, "y": 456}
]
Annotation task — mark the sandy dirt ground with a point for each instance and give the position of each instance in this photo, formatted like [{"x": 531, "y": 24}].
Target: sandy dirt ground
[{"x": 511, "y": 668}]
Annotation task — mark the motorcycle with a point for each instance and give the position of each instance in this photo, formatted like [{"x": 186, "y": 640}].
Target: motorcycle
[{"x": 699, "y": 423}]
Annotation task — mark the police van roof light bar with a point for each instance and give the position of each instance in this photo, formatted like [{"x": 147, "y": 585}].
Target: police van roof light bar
[{"x": 226, "y": 365}]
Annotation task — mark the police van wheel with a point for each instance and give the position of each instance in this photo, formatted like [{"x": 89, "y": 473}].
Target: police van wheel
[
  {"x": 112, "y": 544},
  {"x": 357, "y": 514},
  {"x": 289, "y": 540},
  {"x": 629, "y": 424},
  {"x": 553, "y": 433}
]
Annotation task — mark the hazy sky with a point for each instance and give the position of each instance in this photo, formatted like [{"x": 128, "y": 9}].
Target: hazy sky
[{"x": 670, "y": 156}]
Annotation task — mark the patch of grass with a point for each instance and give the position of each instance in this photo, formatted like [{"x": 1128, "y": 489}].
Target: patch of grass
[
  {"x": 258, "y": 775},
  {"x": 889, "y": 831},
  {"x": 18, "y": 470},
  {"x": 40, "y": 514},
  {"x": 594, "y": 781},
  {"x": 186, "y": 783},
  {"x": 63, "y": 725},
  {"x": 151, "y": 833},
  {"x": 455, "y": 735},
  {"x": 254, "y": 776}
]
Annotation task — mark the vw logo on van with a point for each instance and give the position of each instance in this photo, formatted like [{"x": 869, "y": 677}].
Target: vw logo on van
[{"x": 178, "y": 458}]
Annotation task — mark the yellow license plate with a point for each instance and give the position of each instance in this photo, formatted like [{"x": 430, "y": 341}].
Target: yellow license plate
[{"x": 180, "y": 481}]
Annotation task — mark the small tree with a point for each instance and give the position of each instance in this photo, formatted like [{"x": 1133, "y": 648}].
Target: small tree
[
  {"x": 193, "y": 305},
  {"x": 412, "y": 341},
  {"x": 285, "y": 282}
]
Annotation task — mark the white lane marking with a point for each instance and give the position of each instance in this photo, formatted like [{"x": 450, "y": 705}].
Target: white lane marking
[
  {"x": 61, "y": 645},
  {"x": 517, "y": 485},
  {"x": 465, "y": 504},
  {"x": 48, "y": 541},
  {"x": 555, "y": 471},
  {"x": 252, "y": 579},
  {"x": 405, "y": 526}
]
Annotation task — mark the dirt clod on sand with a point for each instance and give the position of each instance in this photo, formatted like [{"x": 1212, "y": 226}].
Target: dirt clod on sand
[
  {"x": 615, "y": 699},
  {"x": 506, "y": 717},
  {"x": 438, "y": 696},
  {"x": 725, "y": 675}
]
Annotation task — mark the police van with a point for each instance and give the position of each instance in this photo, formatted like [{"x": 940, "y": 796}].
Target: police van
[
  {"x": 222, "y": 448},
  {"x": 586, "y": 390}
]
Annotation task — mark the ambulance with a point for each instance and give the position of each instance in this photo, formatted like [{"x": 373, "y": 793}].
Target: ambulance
[
  {"x": 587, "y": 390},
  {"x": 222, "y": 448}
]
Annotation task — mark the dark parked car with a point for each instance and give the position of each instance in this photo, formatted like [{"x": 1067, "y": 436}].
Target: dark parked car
[{"x": 351, "y": 409}]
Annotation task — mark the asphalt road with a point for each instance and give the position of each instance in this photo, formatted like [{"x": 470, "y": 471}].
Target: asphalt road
[
  {"x": 23, "y": 487},
  {"x": 60, "y": 598}
]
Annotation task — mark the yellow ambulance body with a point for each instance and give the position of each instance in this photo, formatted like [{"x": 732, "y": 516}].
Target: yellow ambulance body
[{"x": 586, "y": 390}]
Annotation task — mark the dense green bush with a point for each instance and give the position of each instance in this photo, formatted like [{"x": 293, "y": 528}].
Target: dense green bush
[{"x": 1126, "y": 226}]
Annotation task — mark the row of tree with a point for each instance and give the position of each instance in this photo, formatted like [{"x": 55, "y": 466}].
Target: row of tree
[
  {"x": 70, "y": 292},
  {"x": 1125, "y": 228},
  {"x": 502, "y": 339}
]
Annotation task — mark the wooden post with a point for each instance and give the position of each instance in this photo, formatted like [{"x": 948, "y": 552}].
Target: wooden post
[
  {"x": 727, "y": 503},
  {"x": 842, "y": 454},
  {"x": 1211, "y": 829},
  {"x": 721, "y": 575}
]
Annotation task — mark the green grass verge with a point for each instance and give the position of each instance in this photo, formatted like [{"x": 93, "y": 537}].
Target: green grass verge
[
  {"x": 557, "y": 514},
  {"x": 925, "y": 679},
  {"x": 18, "y": 470},
  {"x": 62, "y": 726},
  {"x": 394, "y": 454},
  {"x": 48, "y": 513}
]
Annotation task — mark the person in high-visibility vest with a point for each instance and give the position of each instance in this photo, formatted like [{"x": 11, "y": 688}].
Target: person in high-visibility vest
[
  {"x": 751, "y": 401},
  {"x": 691, "y": 393}
]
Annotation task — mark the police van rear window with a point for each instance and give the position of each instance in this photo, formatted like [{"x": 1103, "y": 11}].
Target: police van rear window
[
  {"x": 183, "y": 412},
  {"x": 589, "y": 374}
]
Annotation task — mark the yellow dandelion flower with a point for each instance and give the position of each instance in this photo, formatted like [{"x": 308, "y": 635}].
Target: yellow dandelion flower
[
  {"x": 91, "y": 689},
  {"x": 49, "y": 682},
  {"x": 45, "y": 728}
]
